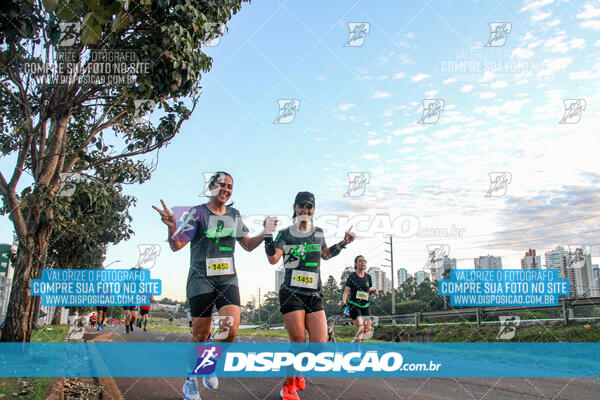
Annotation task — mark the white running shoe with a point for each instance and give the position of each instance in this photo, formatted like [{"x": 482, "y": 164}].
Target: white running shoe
[
  {"x": 210, "y": 382},
  {"x": 190, "y": 389}
]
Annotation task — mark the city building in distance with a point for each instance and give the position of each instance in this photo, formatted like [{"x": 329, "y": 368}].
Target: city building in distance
[
  {"x": 488, "y": 262},
  {"x": 531, "y": 261},
  {"x": 402, "y": 276}
]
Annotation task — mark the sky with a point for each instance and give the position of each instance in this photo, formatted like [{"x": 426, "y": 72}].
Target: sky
[{"x": 360, "y": 102}]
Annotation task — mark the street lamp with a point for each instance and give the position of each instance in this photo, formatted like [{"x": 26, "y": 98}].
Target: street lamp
[{"x": 116, "y": 261}]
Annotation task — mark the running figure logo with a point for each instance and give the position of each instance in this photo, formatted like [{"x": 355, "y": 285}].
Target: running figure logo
[
  {"x": 207, "y": 359},
  {"x": 357, "y": 33},
  {"x": 577, "y": 255},
  {"x": 207, "y": 192},
  {"x": 299, "y": 251},
  {"x": 499, "y": 32},
  {"x": 69, "y": 31},
  {"x": 498, "y": 184},
  {"x": 148, "y": 255},
  {"x": 186, "y": 223},
  {"x": 432, "y": 109},
  {"x": 573, "y": 110},
  {"x": 68, "y": 184},
  {"x": 213, "y": 31},
  {"x": 508, "y": 327},
  {"x": 357, "y": 182},
  {"x": 143, "y": 110},
  {"x": 219, "y": 232},
  {"x": 287, "y": 111}
]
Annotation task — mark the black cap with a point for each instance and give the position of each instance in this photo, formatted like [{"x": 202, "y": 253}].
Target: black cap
[{"x": 305, "y": 197}]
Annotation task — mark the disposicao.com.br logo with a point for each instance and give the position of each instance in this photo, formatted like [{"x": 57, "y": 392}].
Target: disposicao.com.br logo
[{"x": 371, "y": 361}]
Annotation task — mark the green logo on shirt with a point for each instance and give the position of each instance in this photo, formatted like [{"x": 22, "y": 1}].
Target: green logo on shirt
[
  {"x": 301, "y": 250},
  {"x": 218, "y": 233}
]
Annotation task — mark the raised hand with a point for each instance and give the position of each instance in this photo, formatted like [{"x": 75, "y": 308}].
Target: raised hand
[
  {"x": 166, "y": 216},
  {"x": 349, "y": 236},
  {"x": 270, "y": 224}
]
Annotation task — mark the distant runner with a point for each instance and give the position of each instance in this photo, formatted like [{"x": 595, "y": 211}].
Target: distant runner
[{"x": 356, "y": 294}]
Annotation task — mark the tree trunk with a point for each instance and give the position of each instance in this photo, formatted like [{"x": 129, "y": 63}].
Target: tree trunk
[{"x": 20, "y": 316}]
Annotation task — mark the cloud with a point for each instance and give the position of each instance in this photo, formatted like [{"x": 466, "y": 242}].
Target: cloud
[
  {"x": 381, "y": 95},
  {"x": 556, "y": 65},
  {"x": 413, "y": 139},
  {"x": 577, "y": 43},
  {"x": 398, "y": 75},
  {"x": 346, "y": 107},
  {"x": 410, "y": 35},
  {"x": 466, "y": 88},
  {"x": 374, "y": 142},
  {"x": 589, "y": 11},
  {"x": 593, "y": 24},
  {"x": 522, "y": 53},
  {"x": 509, "y": 107},
  {"x": 370, "y": 156},
  {"x": 452, "y": 80},
  {"x": 408, "y": 130},
  {"x": 499, "y": 85},
  {"x": 487, "y": 76},
  {"x": 534, "y": 5},
  {"x": 419, "y": 77},
  {"x": 540, "y": 15},
  {"x": 487, "y": 95},
  {"x": 592, "y": 73}
]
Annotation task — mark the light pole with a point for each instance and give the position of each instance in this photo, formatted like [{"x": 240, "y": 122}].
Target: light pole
[
  {"x": 391, "y": 260},
  {"x": 116, "y": 261}
]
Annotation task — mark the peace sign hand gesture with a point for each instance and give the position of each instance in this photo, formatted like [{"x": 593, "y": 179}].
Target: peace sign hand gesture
[{"x": 166, "y": 216}]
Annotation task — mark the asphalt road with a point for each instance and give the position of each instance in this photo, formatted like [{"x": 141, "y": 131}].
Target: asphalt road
[{"x": 351, "y": 388}]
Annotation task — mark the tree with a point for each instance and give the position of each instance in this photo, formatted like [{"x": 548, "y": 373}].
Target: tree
[
  {"x": 427, "y": 293},
  {"x": 269, "y": 310},
  {"x": 88, "y": 222},
  {"x": 95, "y": 216},
  {"x": 408, "y": 289},
  {"x": 344, "y": 277},
  {"x": 332, "y": 295},
  {"x": 80, "y": 123}
]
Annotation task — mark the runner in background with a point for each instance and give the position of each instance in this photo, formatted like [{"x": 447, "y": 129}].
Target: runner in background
[
  {"x": 102, "y": 310},
  {"x": 144, "y": 310},
  {"x": 130, "y": 313},
  {"x": 93, "y": 320},
  {"x": 356, "y": 294},
  {"x": 212, "y": 229},
  {"x": 302, "y": 246}
]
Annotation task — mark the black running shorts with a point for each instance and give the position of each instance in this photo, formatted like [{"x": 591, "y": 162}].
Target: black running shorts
[
  {"x": 202, "y": 304},
  {"x": 356, "y": 312},
  {"x": 144, "y": 312},
  {"x": 290, "y": 301}
]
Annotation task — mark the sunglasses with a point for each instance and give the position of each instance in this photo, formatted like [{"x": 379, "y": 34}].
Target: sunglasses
[{"x": 308, "y": 206}]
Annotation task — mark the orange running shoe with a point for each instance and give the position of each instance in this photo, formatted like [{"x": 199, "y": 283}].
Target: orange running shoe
[
  {"x": 288, "y": 392},
  {"x": 300, "y": 383}
]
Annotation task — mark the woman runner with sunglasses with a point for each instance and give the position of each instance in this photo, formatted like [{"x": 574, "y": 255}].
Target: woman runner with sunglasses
[
  {"x": 212, "y": 229},
  {"x": 302, "y": 247}
]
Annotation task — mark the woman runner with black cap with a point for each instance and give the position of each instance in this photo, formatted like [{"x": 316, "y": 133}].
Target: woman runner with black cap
[
  {"x": 302, "y": 247},
  {"x": 212, "y": 229}
]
